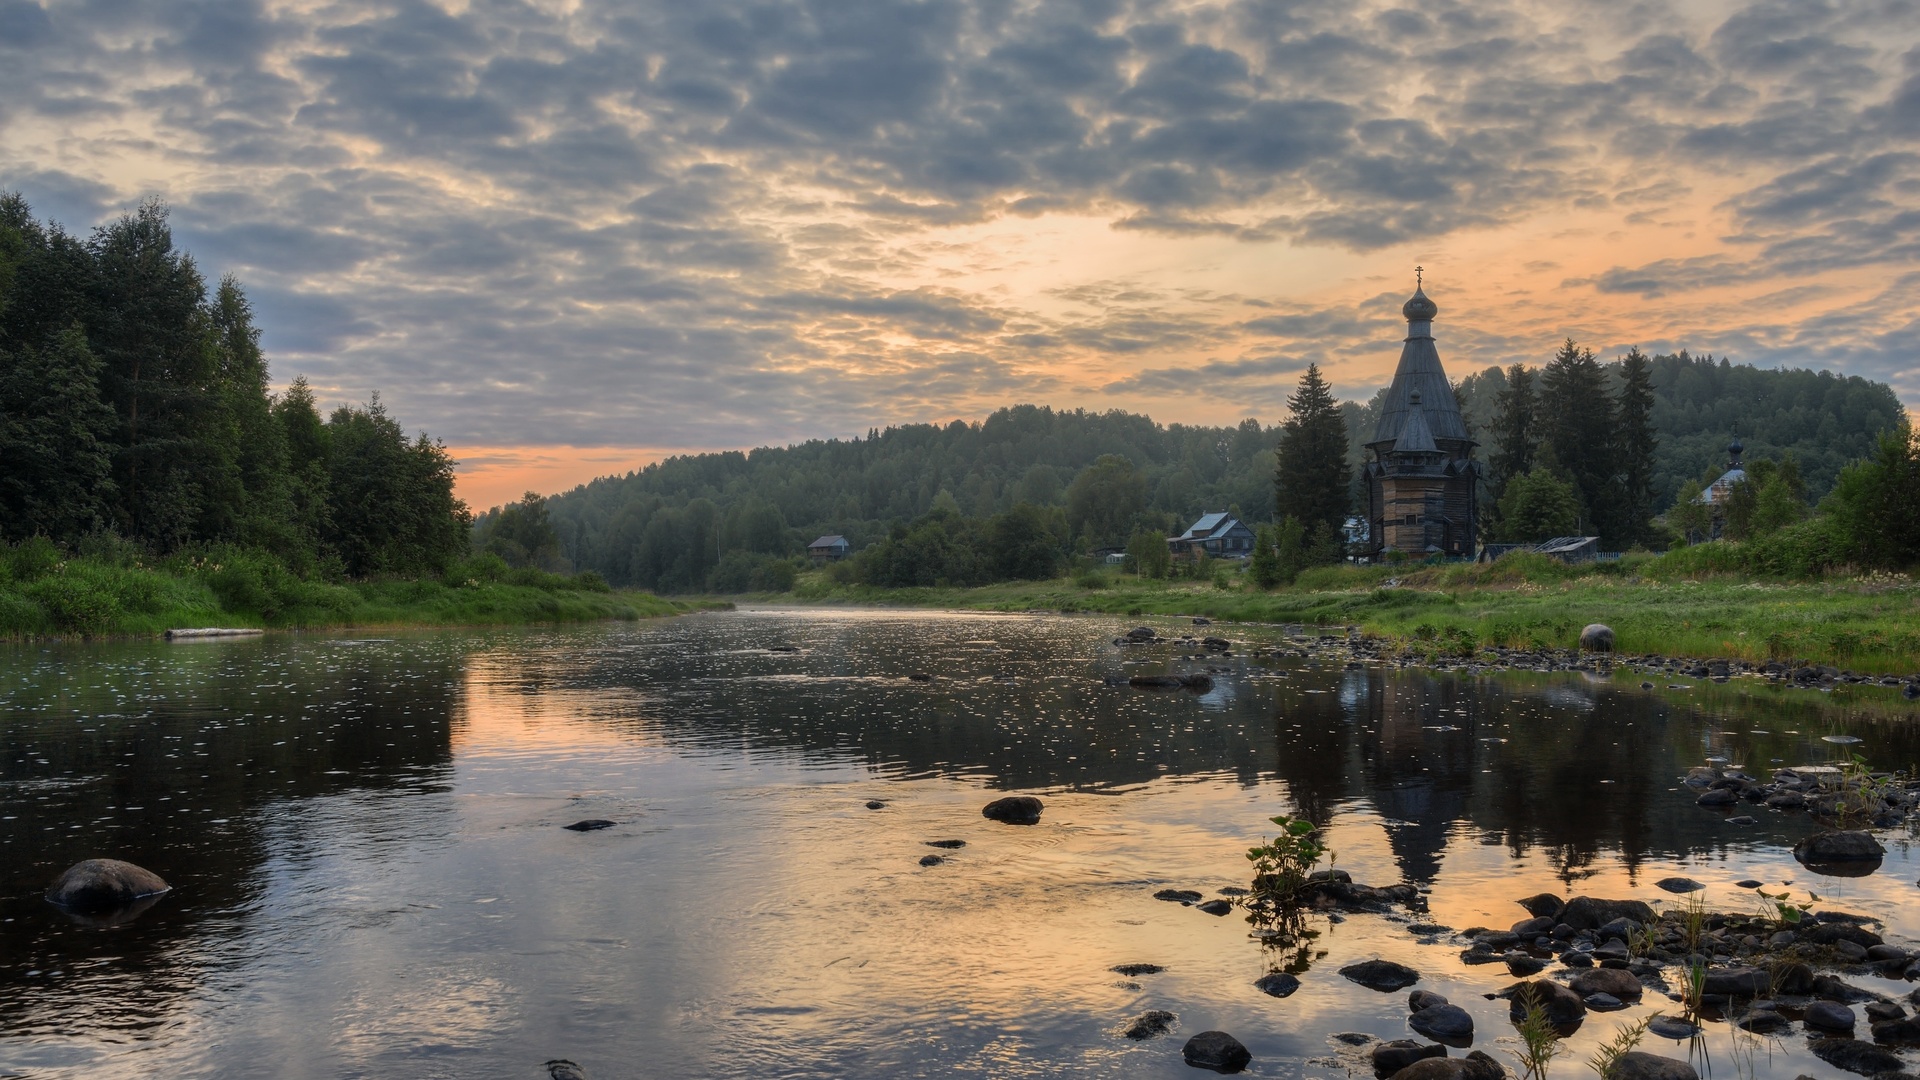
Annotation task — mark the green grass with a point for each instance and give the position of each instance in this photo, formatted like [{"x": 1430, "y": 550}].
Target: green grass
[
  {"x": 1865, "y": 624},
  {"x": 45, "y": 594}
]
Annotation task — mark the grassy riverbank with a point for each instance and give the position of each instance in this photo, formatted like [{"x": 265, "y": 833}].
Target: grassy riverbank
[
  {"x": 1869, "y": 624},
  {"x": 45, "y": 594}
]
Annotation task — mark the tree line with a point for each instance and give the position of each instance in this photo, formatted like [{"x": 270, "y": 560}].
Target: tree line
[
  {"x": 1098, "y": 482},
  {"x": 135, "y": 408}
]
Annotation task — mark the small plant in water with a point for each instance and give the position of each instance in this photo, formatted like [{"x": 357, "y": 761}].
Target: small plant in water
[
  {"x": 1694, "y": 921},
  {"x": 1782, "y": 908},
  {"x": 1282, "y": 865},
  {"x": 1538, "y": 1041},
  {"x": 1623, "y": 1042},
  {"x": 1692, "y": 993}
]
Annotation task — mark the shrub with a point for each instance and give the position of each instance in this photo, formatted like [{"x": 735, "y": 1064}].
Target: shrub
[{"x": 32, "y": 558}]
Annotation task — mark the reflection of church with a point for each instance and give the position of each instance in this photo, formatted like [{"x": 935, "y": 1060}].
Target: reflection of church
[{"x": 1420, "y": 475}]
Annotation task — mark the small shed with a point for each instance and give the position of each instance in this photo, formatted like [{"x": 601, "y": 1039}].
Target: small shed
[
  {"x": 828, "y": 549},
  {"x": 1220, "y": 536},
  {"x": 1570, "y": 549}
]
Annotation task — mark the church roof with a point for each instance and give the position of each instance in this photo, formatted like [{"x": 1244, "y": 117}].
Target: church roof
[
  {"x": 1415, "y": 436},
  {"x": 1420, "y": 373}
]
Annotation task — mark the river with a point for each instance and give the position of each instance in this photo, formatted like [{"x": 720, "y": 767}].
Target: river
[{"x": 371, "y": 878}]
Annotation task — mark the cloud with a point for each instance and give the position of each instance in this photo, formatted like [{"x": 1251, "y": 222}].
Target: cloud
[{"x": 748, "y": 221}]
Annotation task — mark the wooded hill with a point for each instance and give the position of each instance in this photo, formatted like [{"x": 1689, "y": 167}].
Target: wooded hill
[{"x": 712, "y": 520}]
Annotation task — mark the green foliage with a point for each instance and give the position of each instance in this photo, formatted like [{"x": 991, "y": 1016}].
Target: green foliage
[
  {"x": 1577, "y": 419},
  {"x": 1311, "y": 477},
  {"x": 1515, "y": 434},
  {"x": 1783, "y": 909},
  {"x": 1105, "y": 501},
  {"x": 521, "y": 534},
  {"x": 1148, "y": 555},
  {"x": 1538, "y": 506},
  {"x": 1623, "y": 1042},
  {"x": 1282, "y": 864},
  {"x": 1539, "y": 1042},
  {"x": 1874, "y": 510}
]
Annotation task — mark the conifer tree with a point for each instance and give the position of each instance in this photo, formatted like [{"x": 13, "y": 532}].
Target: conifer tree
[
  {"x": 1515, "y": 435},
  {"x": 1310, "y": 477},
  {"x": 1636, "y": 444},
  {"x": 1576, "y": 416},
  {"x": 53, "y": 438}
]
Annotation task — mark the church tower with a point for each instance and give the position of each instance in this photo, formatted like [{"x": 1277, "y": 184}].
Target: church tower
[{"x": 1422, "y": 483}]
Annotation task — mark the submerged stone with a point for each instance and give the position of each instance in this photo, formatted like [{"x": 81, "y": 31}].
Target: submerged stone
[
  {"x": 1216, "y": 1050},
  {"x": 1636, "y": 1065},
  {"x": 1149, "y": 1024},
  {"x": 1014, "y": 810},
  {"x": 590, "y": 825},
  {"x": 1277, "y": 984},
  {"x": 96, "y": 886},
  {"x": 1382, "y": 975}
]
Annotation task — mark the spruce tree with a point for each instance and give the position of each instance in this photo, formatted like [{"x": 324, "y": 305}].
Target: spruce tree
[
  {"x": 53, "y": 438},
  {"x": 1516, "y": 437},
  {"x": 1636, "y": 444},
  {"x": 1576, "y": 416},
  {"x": 1310, "y": 477}
]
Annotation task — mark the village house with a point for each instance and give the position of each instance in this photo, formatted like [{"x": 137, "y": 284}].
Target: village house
[
  {"x": 1219, "y": 536},
  {"x": 828, "y": 549}
]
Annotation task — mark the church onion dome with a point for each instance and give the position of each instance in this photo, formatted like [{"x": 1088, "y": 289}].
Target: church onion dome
[{"x": 1419, "y": 308}]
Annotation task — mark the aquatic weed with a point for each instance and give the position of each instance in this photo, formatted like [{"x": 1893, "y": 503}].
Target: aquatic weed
[
  {"x": 1622, "y": 1043},
  {"x": 1539, "y": 1042}
]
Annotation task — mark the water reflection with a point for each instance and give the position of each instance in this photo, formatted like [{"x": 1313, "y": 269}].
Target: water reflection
[{"x": 370, "y": 878}]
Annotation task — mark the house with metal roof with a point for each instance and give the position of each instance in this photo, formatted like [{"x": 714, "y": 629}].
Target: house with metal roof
[
  {"x": 1220, "y": 535},
  {"x": 1422, "y": 482},
  {"x": 829, "y": 549}
]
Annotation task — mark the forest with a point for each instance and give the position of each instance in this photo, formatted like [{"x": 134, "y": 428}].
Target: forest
[
  {"x": 1087, "y": 481},
  {"x": 136, "y": 417}
]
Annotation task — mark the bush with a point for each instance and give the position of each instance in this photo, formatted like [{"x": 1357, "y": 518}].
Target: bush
[
  {"x": 32, "y": 558},
  {"x": 75, "y": 603}
]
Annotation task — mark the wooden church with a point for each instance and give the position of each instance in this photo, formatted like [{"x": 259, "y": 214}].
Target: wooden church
[{"x": 1422, "y": 482}]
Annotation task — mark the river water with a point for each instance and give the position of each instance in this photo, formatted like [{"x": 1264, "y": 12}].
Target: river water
[{"x": 371, "y": 878}]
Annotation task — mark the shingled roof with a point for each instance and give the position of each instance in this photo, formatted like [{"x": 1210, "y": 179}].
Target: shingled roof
[{"x": 1420, "y": 372}]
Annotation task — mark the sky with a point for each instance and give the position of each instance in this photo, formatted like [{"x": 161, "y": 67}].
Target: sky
[{"x": 570, "y": 237}]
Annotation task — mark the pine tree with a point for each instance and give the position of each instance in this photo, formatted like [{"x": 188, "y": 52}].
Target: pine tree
[
  {"x": 1637, "y": 444},
  {"x": 1310, "y": 477},
  {"x": 1516, "y": 437},
  {"x": 1576, "y": 417}
]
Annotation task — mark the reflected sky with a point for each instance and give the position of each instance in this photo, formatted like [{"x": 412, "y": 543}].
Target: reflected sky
[{"x": 371, "y": 878}]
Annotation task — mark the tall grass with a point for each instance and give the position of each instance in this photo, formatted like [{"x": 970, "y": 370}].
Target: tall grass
[{"x": 119, "y": 591}]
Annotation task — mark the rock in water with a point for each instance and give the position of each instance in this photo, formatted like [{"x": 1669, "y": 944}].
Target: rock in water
[
  {"x": 1424, "y": 999},
  {"x": 1589, "y": 913},
  {"x": 1829, "y": 1016},
  {"x": 1391, "y": 1057},
  {"x": 1214, "y": 907},
  {"x": 1014, "y": 810},
  {"x": 1543, "y": 905},
  {"x": 1597, "y": 637},
  {"x": 1443, "y": 1022},
  {"x": 1383, "y": 975},
  {"x": 102, "y": 885},
  {"x": 932, "y": 860},
  {"x": 1277, "y": 984},
  {"x": 1149, "y": 1024},
  {"x": 1133, "y": 970},
  {"x": 1620, "y": 984},
  {"x": 1855, "y": 1056},
  {"x": 1635, "y": 1065},
  {"x": 1562, "y": 1005},
  {"x": 1216, "y": 1050},
  {"x": 562, "y": 1069},
  {"x": 1839, "y": 846},
  {"x": 1679, "y": 885},
  {"x": 589, "y": 825}
]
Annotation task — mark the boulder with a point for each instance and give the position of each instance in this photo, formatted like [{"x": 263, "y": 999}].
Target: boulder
[
  {"x": 1672, "y": 1027},
  {"x": 1855, "y": 1056},
  {"x": 1391, "y": 1057},
  {"x": 1635, "y": 1065},
  {"x": 1905, "y": 1031},
  {"x": 1764, "y": 1022},
  {"x": 1277, "y": 984},
  {"x": 1831, "y": 933},
  {"x": 1597, "y": 637},
  {"x": 1149, "y": 1024},
  {"x": 1679, "y": 885},
  {"x": 1475, "y": 1066},
  {"x": 1178, "y": 896},
  {"x": 1131, "y": 970},
  {"x": 1589, "y": 913},
  {"x": 1738, "y": 982},
  {"x": 1014, "y": 810},
  {"x": 592, "y": 824},
  {"x": 562, "y": 1069},
  {"x": 932, "y": 860},
  {"x": 1214, "y": 644},
  {"x": 1839, "y": 845},
  {"x": 102, "y": 885},
  {"x": 1562, "y": 1005},
  {"x": 1423, "y": 999},
  {"x": 1620, "y": 984},
  {"x": 1543, "y": 904},
  {"x": 1382, "y": 975},
  {"x": 1214, "y": 907},
  {"x": 1445, "y": 1023},
  {"x": 1216, "y": 1050},
  {"x": 1829, "y": 1016},
  {"x": 1142, "y": 633}
]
